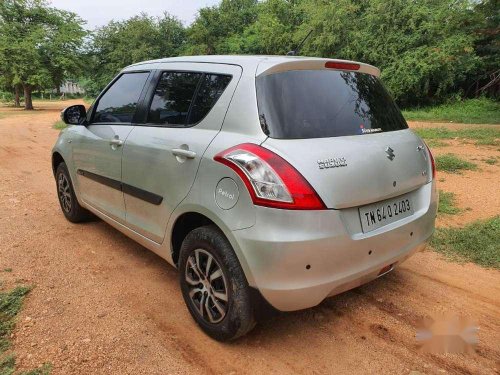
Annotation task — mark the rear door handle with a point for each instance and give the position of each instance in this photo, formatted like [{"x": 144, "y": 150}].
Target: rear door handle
[
  {"x": 116, "y": 142},
  {"x": 184, "y": 153}
]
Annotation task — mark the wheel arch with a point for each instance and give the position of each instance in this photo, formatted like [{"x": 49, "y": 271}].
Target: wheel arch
[
  {"x": 191, "y": 218},
  {"x": 56, "y": 160},
  {"x": 184, "y": 224}
]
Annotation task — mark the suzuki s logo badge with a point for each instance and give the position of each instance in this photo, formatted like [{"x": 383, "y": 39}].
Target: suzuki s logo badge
[{"x": 390, "y": 153}]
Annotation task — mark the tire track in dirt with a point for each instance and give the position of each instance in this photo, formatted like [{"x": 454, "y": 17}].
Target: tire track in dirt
[
  {"x": 414, "y": 320},
  {"x": 472, "y": 294}
]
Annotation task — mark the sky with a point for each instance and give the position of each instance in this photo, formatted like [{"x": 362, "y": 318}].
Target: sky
[{"x": 100, "y": 12}]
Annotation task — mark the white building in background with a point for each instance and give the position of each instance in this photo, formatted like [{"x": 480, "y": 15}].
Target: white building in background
[{"x": 71, "y": 87}]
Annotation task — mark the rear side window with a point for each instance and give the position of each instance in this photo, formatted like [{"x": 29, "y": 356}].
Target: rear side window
[
  {"x": 119, "y": 102},
  {"x": 185, "y": 98},
  {"x": 173, "y": 97},
  {"x": 211, "y": 88},
  {"x": 325, "y": 103}
]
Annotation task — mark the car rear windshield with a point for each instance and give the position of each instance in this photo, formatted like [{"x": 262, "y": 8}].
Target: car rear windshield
[{"x": 325, "y": 103}]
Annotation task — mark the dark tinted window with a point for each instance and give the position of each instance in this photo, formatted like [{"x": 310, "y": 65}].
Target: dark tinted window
[
  {"x": 173, "y": 103},
  {"x": 173, "y": 97},
  {"x": 324, "y": 103},
  {"x": 211, "y": 88},
  {"x": 118, "y": 104}
]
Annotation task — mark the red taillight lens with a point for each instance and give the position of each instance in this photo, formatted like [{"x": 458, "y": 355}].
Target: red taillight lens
[
  {"x": 270, "y": 179},
  {"x": 341, "y": 65},
  {"x": 433, "y": 164}
]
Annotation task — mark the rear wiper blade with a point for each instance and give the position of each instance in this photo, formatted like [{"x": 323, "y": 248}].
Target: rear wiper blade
[{"x": 263, "y": 124}]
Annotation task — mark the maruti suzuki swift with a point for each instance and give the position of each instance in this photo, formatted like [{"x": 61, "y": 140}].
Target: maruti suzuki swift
[{"x": 265, "y": 180}]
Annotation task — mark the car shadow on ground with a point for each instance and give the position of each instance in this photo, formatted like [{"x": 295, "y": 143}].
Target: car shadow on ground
[{"x": 274, "y": 326}]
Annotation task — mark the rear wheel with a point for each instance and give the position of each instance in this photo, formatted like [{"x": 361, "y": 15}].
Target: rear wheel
[
  {"x": 214, "y": 286},
  {"x": 67, "y": 198}
]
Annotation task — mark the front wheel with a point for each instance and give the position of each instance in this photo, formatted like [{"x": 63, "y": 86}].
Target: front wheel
[
  {"x": 214, "y": 286},
  {"x": 67, "y": 197}
]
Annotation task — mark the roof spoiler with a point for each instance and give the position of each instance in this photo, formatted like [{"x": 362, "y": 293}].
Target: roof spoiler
[{"x": 266, "y": 68}]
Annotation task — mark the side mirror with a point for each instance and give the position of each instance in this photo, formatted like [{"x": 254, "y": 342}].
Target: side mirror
[{"x": 74, "y": 115}]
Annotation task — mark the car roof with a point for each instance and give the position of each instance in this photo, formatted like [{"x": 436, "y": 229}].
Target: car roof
[{"x": 258, "y": 63}]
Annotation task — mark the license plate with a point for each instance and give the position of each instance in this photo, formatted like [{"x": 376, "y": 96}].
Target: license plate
[{"x": 377, "y": 215}]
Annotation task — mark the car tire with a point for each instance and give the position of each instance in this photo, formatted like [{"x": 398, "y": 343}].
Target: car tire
[
  {"x": 67, "y": 197},
  {"x": 204, "y": 293}
]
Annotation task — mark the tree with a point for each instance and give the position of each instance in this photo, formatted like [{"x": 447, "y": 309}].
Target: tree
[
  {"x": 39, "y": 45},
  {"x": 275, "y": 30},
  {"x": 214, "y": 27},
  {"x": 487, "y": 78},
  {"x": 428, "y": 50},
  {"x": 424, "y": 48},
  {"x": 119, "y": 44},
  {"x": 7, "y": 85}
]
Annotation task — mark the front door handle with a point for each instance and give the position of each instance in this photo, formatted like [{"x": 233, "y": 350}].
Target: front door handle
[{"x": 184, "y": 153}]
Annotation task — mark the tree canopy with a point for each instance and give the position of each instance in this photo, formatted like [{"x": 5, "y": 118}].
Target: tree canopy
[
  {"x": 39, "y": 45},
  {"x": 428, "y": 50},
  {"x": 119, "y": 44}
]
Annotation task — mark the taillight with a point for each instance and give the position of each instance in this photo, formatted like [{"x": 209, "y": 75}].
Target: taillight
[
  {"x": 270, "y": 180},
  {"x": 341, "y": 65},
  {"x": 433, "y": 164}
]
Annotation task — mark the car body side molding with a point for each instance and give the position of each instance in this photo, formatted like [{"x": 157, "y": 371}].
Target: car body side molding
[{"x": 136, "y": 192}]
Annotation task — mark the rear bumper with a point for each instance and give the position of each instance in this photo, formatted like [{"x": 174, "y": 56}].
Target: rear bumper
[{"x": 298, "y": 258}]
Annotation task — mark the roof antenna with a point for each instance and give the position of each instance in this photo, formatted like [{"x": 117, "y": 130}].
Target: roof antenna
[{"x": 296, "y": 51}]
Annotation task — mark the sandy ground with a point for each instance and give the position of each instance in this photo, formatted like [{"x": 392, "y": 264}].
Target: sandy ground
[
  {"x": 102, "y": 304},
  {"x": 477, "y": 192}
]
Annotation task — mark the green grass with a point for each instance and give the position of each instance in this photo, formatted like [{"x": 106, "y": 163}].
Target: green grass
[
  {"x": 10, "y": 305},
  {"x": 470, "y": 111},
  {"x": 59, "y": 125},
  {"x": 452, "y": 164},
  {"x": 433, "y": 143},
  {"x": 481, "y": 135},
  {"x": 477, "y": 242},
  {"x": 88, "y": 100},
  {"x": 447, "y": 203},
  {"x": 491, "y": 161},
  {"x": 7, "y": 365}
]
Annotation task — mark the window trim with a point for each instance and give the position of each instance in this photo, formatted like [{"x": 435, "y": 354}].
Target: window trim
[
  {"x": 106, "y": 89},
  {"x": 148, "y": 100}
]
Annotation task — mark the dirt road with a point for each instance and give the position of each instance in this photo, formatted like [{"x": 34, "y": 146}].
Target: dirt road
[
  {"x": 476, "y": 191},
  {"x": 102, "y": 304}
]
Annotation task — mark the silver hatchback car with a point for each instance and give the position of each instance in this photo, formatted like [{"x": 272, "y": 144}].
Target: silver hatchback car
[{"x": 265, "y": 180}]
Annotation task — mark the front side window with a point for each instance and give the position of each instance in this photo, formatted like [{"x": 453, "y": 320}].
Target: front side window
[
  {"x": 119, "y": 102},
  {"x": 184, "y": 98}
]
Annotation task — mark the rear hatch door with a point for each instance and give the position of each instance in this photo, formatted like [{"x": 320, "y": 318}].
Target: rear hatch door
[
  {"x": 342, "y": 131},
  {"x": 357, "y": 170}
]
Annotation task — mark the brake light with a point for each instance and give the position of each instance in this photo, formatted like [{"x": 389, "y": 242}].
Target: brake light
[
  {"x": 433, "y": 164},
  {"x": 341, "y": 65},
  {"x": 270, "y": 179}
]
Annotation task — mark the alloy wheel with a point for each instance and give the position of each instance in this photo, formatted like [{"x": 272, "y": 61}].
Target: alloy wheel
[
  {"x": 207, "y": 286},
  {"x": 63, "y": 188}
]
